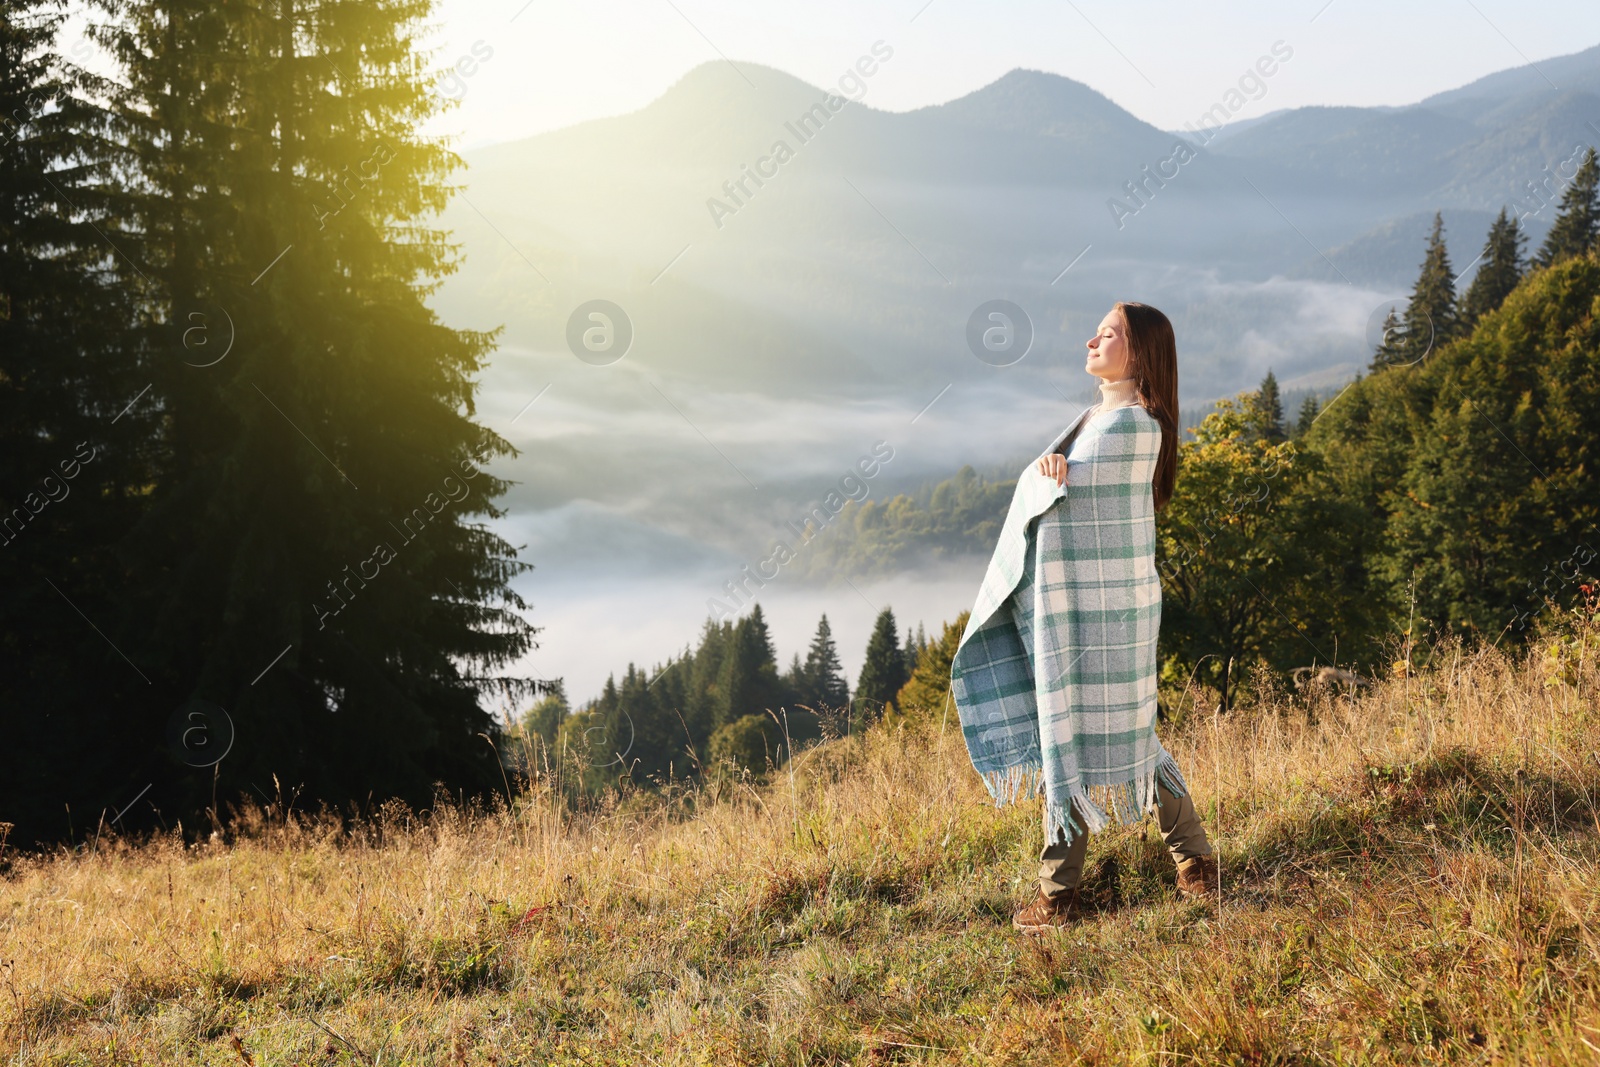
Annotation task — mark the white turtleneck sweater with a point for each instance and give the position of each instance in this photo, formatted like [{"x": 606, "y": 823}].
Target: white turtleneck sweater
[{"x": 1118, "y": 394}]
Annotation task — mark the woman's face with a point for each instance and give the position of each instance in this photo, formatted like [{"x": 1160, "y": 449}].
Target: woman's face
[{"x": 1108, "y": 348}]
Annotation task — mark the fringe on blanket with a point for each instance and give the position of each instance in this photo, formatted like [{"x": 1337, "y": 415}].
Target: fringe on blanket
[
  {"x": 1014, "y": 783},
  {"x": 1088, "y": 809},
  {"x": 1093, "y": 809}
]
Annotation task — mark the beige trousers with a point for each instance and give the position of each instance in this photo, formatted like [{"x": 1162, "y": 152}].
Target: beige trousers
[{"x": 1061, "y": 866}]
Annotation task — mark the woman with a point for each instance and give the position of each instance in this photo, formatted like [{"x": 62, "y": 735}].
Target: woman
[{"x": 1055, "y": 675}]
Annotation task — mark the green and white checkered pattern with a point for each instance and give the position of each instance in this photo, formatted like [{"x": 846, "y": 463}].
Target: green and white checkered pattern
[{"x": 1055, "y": 676}]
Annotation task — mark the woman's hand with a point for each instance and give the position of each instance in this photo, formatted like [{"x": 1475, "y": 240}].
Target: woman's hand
[{"x": 1054, "y": 466}]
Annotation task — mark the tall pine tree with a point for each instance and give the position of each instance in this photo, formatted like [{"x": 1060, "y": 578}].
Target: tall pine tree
[
  {"x": 1502, "y": 268},
  {"x": 1268, "y": 410},
  {"x": 1310, "y": 408},
  {"x": 1577, "y": 219},
  {"x": 1391, "y": 342},
  {"x": 748, "y": 682},
  {"x": 884, "y": 670},
  {"x": 701, "y": 700},
  {"x": 313, "y": 558},
  {"x": 915, "y": 643},
  {"x": 1430, "y": 317},
  {"x": 73, "y": 440},
  {"x": 824, "y": 674}
]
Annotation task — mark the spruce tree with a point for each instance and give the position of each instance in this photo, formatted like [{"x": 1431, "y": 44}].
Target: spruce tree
[
  {"x": 1268, "y": 409},
  {"x": 794, "y": 681},
  {"x": 758, "y": 636},
  {"x": 1430, "y": 317},
  {"x": 74, "y": 470},
  {"x": 1310, "y": 408},
  {"x": 1390, "y": 344},
  {"x": 748, "y": 681},
  {"x": 915, "y": 643},
  {"x": 700, "y": 708},
  {"x": 735, "y": 683},
  {"x": 824, "y": 674},
  {"x": 639, "y": 736},
  {"x": 590, "y": 734},
  {"x": 313, "y": 557},
  {"x": 1577, "y": 219},
  {"x": 1502, "y": 268},
  {"x": 884, "y": 670}
]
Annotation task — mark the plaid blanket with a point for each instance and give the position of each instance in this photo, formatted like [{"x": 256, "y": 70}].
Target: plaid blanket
[{"x": 1055, "y": 675}]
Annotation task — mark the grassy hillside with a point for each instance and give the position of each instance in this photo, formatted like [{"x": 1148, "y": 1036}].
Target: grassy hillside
[{"x": 1410, "y": 876}]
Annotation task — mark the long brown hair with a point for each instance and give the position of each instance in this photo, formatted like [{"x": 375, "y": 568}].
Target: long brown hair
[{"x": 1153, "y": 365}]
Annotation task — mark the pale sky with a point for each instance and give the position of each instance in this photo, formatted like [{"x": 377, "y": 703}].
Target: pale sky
[{"x": 555, "y": 63}]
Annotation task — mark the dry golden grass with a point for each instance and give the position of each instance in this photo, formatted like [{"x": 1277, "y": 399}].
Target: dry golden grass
[{"x": 1410, "y": 877}]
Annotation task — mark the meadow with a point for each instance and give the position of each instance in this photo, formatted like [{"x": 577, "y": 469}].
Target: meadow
[{"x": 1411, "y": 874}]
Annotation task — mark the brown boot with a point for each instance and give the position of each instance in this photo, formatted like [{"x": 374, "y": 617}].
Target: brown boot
[
  {"x": 1197, "y": 876},
  {"x": 1048, "y": 913}
]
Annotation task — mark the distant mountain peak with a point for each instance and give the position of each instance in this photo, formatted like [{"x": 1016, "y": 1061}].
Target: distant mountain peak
[
  {"x": 1040, "y": 103},
  {"x": 722, "y": 75}
]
